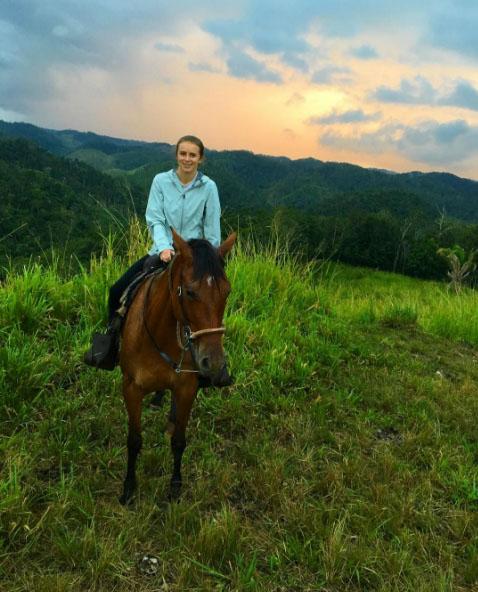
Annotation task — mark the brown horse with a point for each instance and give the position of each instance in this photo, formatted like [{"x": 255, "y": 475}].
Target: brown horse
[{"x": 172, "y": 336}]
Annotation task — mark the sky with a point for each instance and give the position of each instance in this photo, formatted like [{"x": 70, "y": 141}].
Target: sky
[{"x": 378, "y": 83}]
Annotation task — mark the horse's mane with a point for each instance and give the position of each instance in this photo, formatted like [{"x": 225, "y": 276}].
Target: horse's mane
[{"x": 206, "y": 260}]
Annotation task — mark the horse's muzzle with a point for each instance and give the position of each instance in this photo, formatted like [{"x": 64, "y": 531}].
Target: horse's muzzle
[
  {"x": 211, "y": 364},
  {"x": 224, "y": 378}
]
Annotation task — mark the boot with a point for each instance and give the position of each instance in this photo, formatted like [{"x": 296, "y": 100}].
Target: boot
[{"x": 104, "y": 351}]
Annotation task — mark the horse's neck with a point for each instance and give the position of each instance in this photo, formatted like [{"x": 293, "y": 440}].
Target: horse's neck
[{"x": 160, "y": 309}]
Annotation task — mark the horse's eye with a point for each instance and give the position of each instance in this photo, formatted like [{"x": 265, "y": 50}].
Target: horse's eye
[{"x": 191, "y": 294}]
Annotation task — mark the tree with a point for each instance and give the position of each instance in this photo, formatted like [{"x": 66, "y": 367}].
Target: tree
[{"x": 460, "y": 265}]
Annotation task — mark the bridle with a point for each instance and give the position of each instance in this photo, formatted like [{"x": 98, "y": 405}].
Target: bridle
[{"x": 186, "y": 337}]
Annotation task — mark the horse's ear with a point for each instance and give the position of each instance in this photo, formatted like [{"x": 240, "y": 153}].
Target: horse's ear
[
  {"x": 181, "y": 246},
  {"x": 227, "y": 245}
]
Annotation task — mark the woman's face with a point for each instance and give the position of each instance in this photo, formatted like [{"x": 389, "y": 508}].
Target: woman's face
[{"x": 189, "y": 158}]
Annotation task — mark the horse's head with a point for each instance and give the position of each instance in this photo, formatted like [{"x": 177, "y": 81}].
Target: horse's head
[{"x": 199, "y": 292}]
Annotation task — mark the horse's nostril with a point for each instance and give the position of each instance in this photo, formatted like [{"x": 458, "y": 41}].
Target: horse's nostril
[{"x": 205, "y": 363}]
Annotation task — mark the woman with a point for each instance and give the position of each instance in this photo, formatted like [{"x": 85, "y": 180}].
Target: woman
[{"x": 184, "y": 199}]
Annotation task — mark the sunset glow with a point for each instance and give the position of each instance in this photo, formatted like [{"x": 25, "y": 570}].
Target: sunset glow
[{"x": 379, "y": 84}]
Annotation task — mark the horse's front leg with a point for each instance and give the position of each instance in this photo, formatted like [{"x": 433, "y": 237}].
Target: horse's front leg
[
  {"x": 133, "y": 397},
  {"x": 181, "y": 405}
]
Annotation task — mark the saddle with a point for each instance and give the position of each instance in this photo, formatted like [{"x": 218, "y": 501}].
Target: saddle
[
  {"x": 130, "y": 292},
  {"x": 104, "y": 352}
]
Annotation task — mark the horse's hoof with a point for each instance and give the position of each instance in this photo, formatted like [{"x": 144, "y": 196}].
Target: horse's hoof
[
  {"x": 174, "y": 492},
  {"x": 126, "y": 498}
]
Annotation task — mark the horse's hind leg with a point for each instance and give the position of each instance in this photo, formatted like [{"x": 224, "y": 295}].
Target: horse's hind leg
[
  {"x": 180, "y": 411},
  {"x": 133, "y": 397},
  {"x": 157, "y": 399}
]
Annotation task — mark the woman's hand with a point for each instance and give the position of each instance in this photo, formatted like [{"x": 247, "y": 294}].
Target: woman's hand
[{"x": 166, "y": 255}]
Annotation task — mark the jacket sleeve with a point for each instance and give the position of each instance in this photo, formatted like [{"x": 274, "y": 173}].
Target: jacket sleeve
[
  {"x": 156, "y": 219},
  {"x": 212, "y": 217}
]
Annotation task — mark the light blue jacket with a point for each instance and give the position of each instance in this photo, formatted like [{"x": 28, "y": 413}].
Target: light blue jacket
[{"x": 193, "y": 213}]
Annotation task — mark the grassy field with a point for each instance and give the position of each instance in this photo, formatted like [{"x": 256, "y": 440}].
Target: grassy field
[{"x": 344, "y": 458}]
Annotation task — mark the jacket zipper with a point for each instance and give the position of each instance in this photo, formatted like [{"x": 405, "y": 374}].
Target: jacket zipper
[
  {"x": 183, "y": 195},
  {"x": 182, "y": 212}
]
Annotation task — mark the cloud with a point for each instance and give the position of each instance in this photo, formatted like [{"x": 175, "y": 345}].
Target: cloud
[
  {"x": 289, "y": 133},
  {"x": 78, "y": 61},
  {"x": 364, "y": 52},
  {"x": 463, "y": 95},
  {"x": 295, "y": 99},
  {"x": 242, "y": 65},
  {"x": 421, "y": 92},
  {"x": 169, "y": 47},
  {"x": 455, "y": 27},
  {"x": 415, "y": 92},
  {"x": 271, "y": 28},
  {"x": 352, "y": 116},
  {"x": 282, "y": 28},
  {"x": 202, "y": 67},
  {"x": 43, "y": 43},
  {"x": 296, "y": 62},
  {"x": 11, "y": 116},
  {"x": 328, "y": 75},
  {"x": 267, "y": 28},
  {"x": 429, "y": 142}
]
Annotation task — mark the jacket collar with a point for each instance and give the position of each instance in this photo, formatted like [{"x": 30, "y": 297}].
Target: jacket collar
[{"x": 201, "y": 178}]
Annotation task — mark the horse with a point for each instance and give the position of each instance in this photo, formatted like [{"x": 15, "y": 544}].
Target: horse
[{"x": 172, "y": 338}]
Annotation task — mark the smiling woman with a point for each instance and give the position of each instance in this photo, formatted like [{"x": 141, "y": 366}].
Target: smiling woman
[{"x": 184, "y": 199}]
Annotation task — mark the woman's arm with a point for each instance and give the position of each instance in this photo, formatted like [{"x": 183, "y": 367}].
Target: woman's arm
[
  {"x": 212, "y": 217},
  {"x": 156, "y": 219}
]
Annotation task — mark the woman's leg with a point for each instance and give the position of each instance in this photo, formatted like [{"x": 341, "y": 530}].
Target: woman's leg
[
  {"x": 104, "y": 351},
  {"x": 120, "y": 286}
]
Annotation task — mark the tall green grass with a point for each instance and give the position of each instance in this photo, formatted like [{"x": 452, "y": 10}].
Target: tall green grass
[
  {"x": 344, "y": 457},
  {"x": 358, "y": 293}
]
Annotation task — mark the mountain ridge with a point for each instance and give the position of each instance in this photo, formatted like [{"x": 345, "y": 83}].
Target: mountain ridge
[
  {"x": 360, "y": 216},
  {"x": 39, "y": 134}
]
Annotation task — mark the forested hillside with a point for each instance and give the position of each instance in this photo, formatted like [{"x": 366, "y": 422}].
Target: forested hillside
[
  {"x": 47, "y": 201},
  {"x": 250, "y": 180},
  {"x": 361, "y": 216}
]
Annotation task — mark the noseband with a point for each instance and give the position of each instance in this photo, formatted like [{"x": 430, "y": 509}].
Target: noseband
[{"x": 185, "y": 341}]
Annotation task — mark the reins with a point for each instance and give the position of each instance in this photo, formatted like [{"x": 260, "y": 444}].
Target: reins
[{"x": 189, "y": 335}]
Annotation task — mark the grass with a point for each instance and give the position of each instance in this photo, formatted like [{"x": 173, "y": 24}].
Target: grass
[
  {"x": 399, "y": 300},
  {"x": 344, "y": 458}
]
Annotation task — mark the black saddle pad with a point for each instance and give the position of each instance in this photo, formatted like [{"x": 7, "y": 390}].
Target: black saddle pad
[{"x": 129, "y": 294}]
